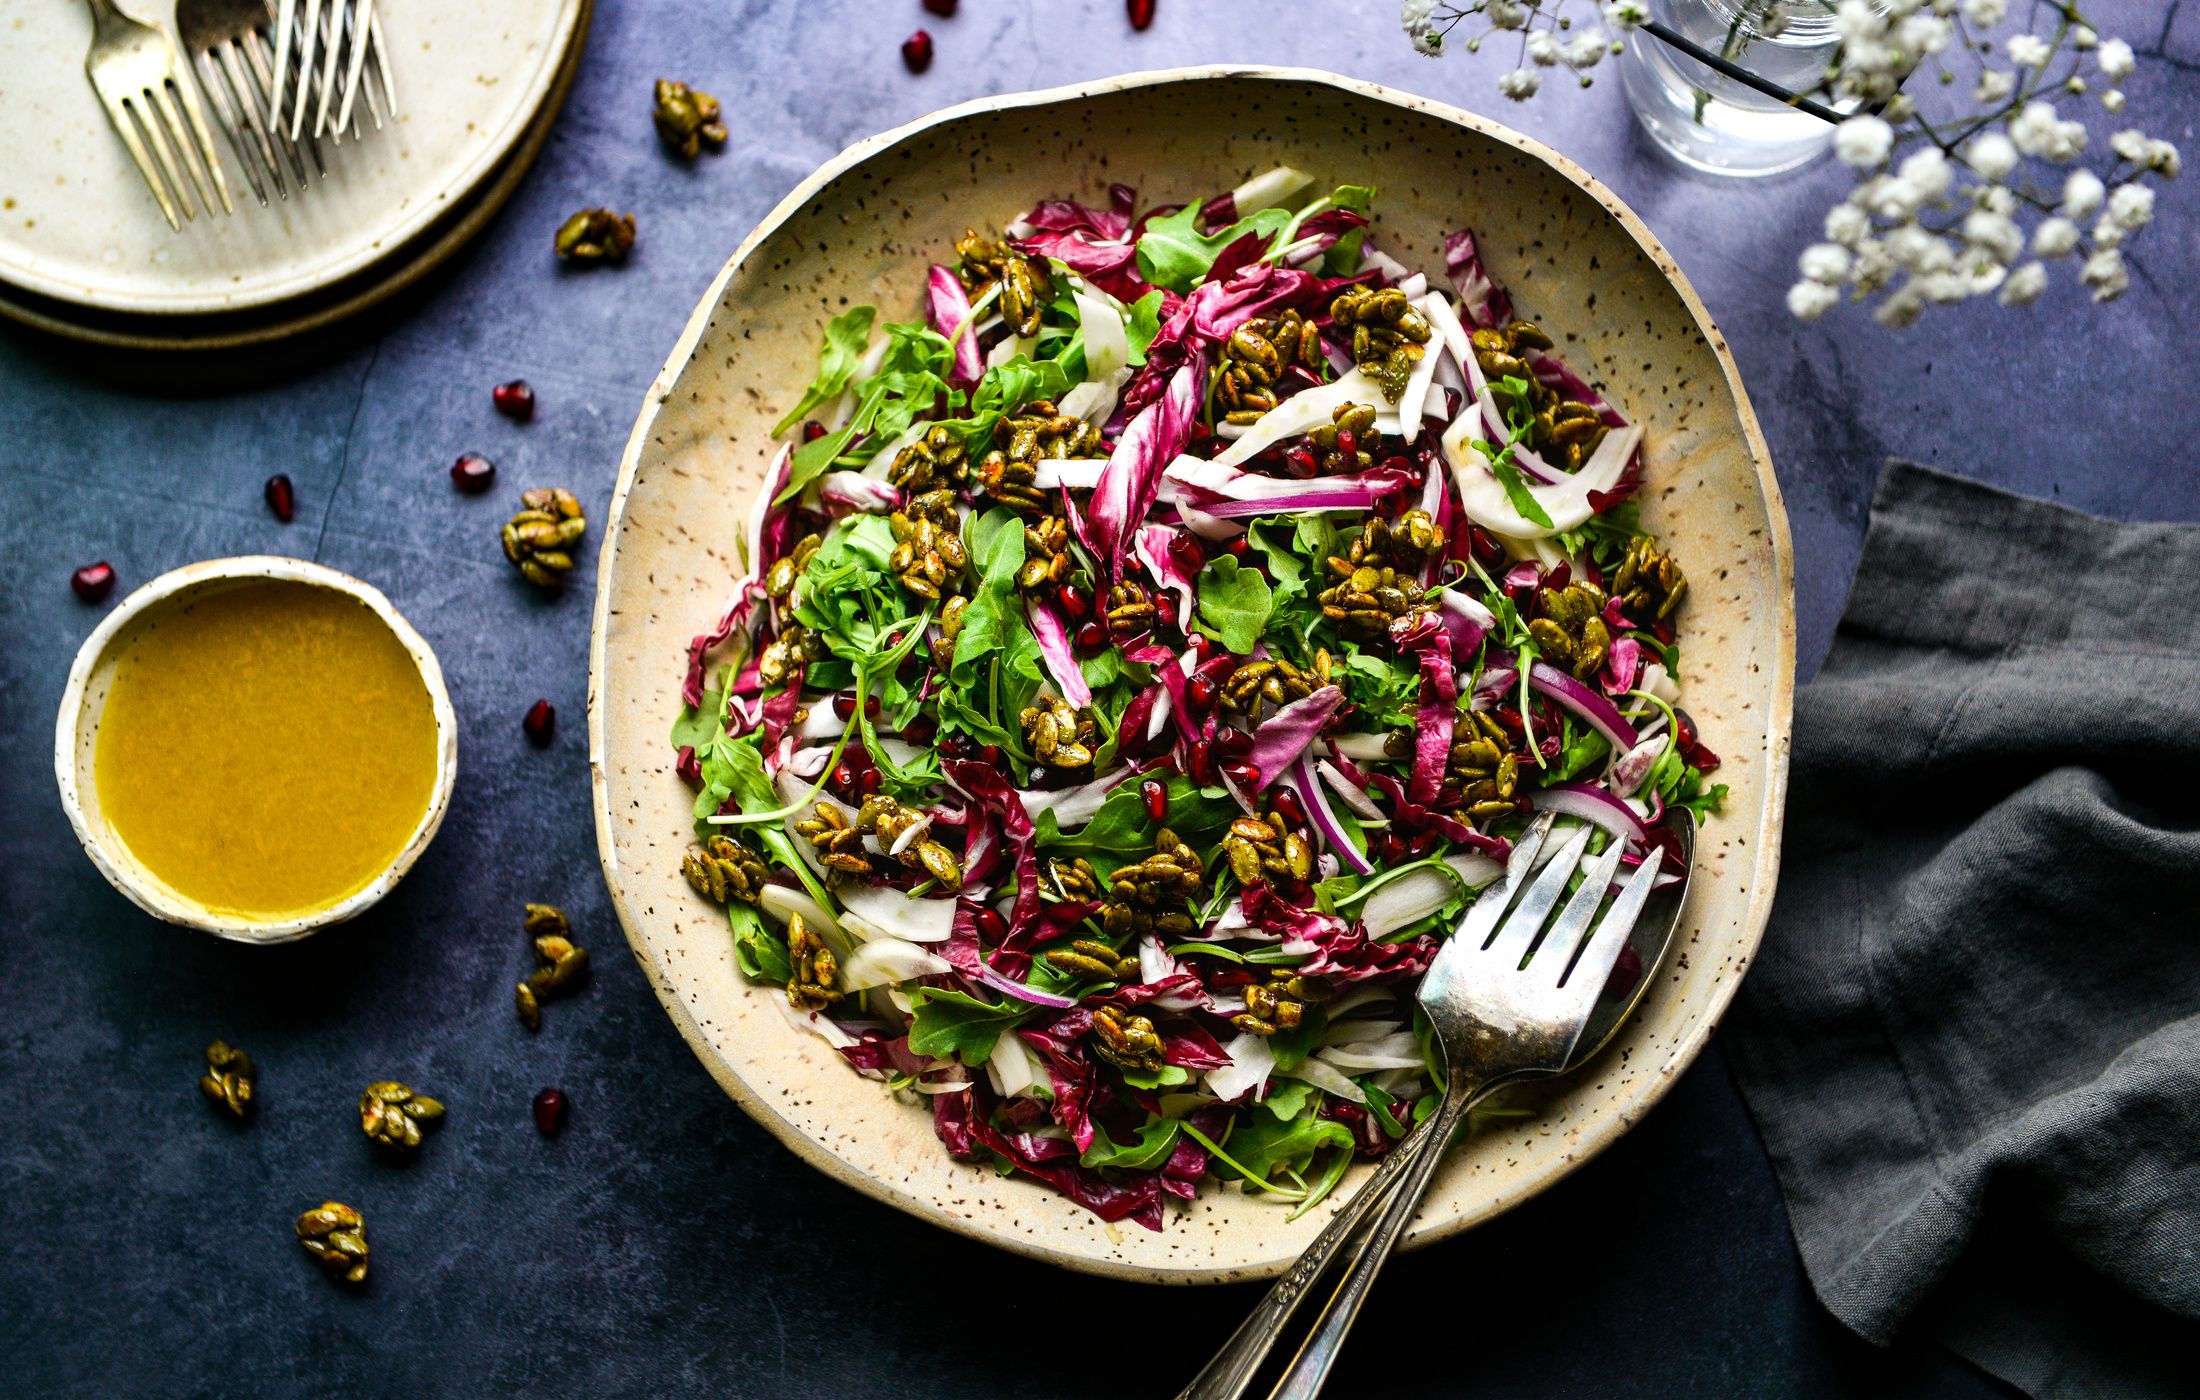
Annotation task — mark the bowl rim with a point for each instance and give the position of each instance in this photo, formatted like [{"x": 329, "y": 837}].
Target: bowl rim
[
  {"x": 1610, "y": 1124},
  {"x": 106, "y": 849}
]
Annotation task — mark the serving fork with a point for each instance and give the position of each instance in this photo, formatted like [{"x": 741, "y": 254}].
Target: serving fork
[
  {"x": 155, "y": 109},
  {"x": 1508, "y": 999}
]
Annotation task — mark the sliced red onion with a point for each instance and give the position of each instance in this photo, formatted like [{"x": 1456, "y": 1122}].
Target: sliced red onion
[
  {"x": 1348, "y": 792},
  {"x": 1592, "y": 804},
  {"x": 1591, "y": 708},
  {"x": 1324, "y": 821}
]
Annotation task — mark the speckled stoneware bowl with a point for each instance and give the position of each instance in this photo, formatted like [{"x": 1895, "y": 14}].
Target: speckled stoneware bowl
[
  {"x": 76, "y": 742},
  {"x": 862, "y": 229}
]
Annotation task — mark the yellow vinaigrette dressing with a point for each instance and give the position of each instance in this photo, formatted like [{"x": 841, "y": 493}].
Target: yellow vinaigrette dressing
[{"x": 266, "y": 750}]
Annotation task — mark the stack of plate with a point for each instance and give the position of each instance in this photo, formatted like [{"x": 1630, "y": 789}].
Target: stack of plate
[{"x": 85, "y": 253}]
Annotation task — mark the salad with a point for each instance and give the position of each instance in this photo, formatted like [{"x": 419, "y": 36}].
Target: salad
[{"x": 1145, "y": 655}]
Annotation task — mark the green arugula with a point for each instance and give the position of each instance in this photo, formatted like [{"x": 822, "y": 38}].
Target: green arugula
[
  {"x": 1261, "y": 1148},
  {"x": 1151, "y": 1149},
  {"x": 1277, "y": 541},
  {"x": 847, "y": 336},
  {"x": 948, "y": 1022},
  {"x": 1174, "y": 254},
  {"x": 761, "y": 953},
  {"x": 1580, "y": 748},
  {"x": 1234, "y": 604},
  {"x": 1512, "y": 394},
  {"x": 1122, "y": 826},
  {"x": 1143, "y": 324}
]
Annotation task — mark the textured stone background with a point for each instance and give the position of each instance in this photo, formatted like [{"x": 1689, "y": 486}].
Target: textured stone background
[{"x": 665, "y": 1243}]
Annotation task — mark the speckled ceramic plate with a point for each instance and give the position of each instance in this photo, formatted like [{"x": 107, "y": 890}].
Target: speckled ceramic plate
[
  {"x": 862, "y": 229},
  {"x": 78, "y": 225}
]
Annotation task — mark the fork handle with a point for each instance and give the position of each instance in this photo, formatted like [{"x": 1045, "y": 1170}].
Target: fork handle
[
  {"x": 1229, "y": 1375},
  {"x": 1302, "y": 1380}
]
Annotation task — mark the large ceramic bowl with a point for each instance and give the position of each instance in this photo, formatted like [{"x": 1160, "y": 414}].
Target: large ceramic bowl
[{"x": 862, "y": 229}]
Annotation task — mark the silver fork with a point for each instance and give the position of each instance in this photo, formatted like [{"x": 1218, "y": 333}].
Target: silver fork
[
  {"x": 1507, "y": 1000},
  {"x": 228, "y": 42},
  {"x": 345, "y": 32},
  {"x": 133, "y": 69}
]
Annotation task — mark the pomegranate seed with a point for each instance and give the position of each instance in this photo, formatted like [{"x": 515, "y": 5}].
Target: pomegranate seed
[
  {"x": 1092, "y": 636},
  {"x": 1199, "y": 694},
  {"x": 843, "y": 780},
  {"x": 1156, "y": 794},
  {"x": 1202, "y": 756},
  {"x": 921, "y": 730},
  {"x": 1348, "y": 442},
  {"x": 957, "y": 747},
  {"x": 552, "y": 1108},
  {"x": 1301, "y": 460},
  {"x": 93, "y": 582},
  {"x": 1237, "y": 547},
  {"x": 844, "y": 706},
  {"x": 515, "y": 400},
  {"x": 916, "y": 52},
  {"x": 945, "y": 9},
  {"x": 282, "y": 497},
  {"x": 1245, "y": 775},
  {"x": 1141, "y": 12},
  {"x": 1286, "y": 803},
  {"x": 1390, "y": 850},
  {"x": 473, "y": 473},
  {"x": 991, "y": 927},
  {"x": 541, "y": 724},
  {"x": 1189, "y": 556},
  {"x": 871, "y": 781},
  {"x": 1074, "y": 601},
  {"x": 990, "y": 753},
  {"x": 1402, "y": 465},
  {"x": 1234, "y": 743},
  {"x": 812, "y": 430}
]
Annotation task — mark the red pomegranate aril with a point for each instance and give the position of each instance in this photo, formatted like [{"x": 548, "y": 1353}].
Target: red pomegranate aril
[
  {"x": 957, "y": 747},
  {"x": 1202, "y": 755},
  {"x": 473, "y": 473},
  {"x": 921, "y": 730},
  {"x": 552, "y": 1109},
  {"x": 1348, "y": 442},
  {"x": 1141, "y": 12},
  {"x": 1074, "y": 601},
  {"x": 1245, "y": 775},
  {"x": 282, "y": 497},
  {"x": 989, "y": 753},
  {"x": 945, "y": 9},
  {"x": 1093, "y": 635},
  {"x": 1233, "y": 743},
  {"x": 1189, "y": 556},
  {"x": 843, "y": 780},
  {"x": 1286, "y": 803},
  {"x": 515, "y": 400},
  {"x": 1156, "y": 795},
  {"x": 1199, "y": 694},
  {"x": 812, "y": 430},
  {"x": 541, "y": 724},
  {"x": 916, "y": 51},
  {"x": 1237, "y": 547},
  {"x": 870, "y": 781},
  {"x": 93, "y": 582},
  {"x": 990, "y": 926},
  {"x": 1390, "y": 850},
  {"x": 844, "y": 706},
  {"x": 1301, "y": 460},
  {"x": 1421, "y": 844}
]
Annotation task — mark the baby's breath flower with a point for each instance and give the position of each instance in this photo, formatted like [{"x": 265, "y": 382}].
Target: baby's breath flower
[
  {"x": 2146, "y": 152},
  {"x": 1994, "y": 86},
  {"x": 1986, "y": 13},
  {"x": 1900, "y": 309},
  {"x": 1808, "y": 300},
  {"x": 1585, "y": 50},
  {"x": 1417, "y": 15},
  {"x": 2115, "y": 58},
  {"x": 2131, "y": 207},
  {"x": 1996, "y": 234},
  {"x": 2056, "y": 237},
  {"x": 1626, "y": 15},
  {"x": 2037, "y": 131},
  {"x": 1825, "y": 262},
  {"x": 1543, "y": 49},
  {"x": 1847, "y": 225},
  {"x": 2082, "y": 194},
  {"x": 1926, "y": 170},
  {"x": 2112, "y": 101},
  {"x": 1520, "y": 84},
  {"x": 1863, "y": 141},
  {"x": 2024, "y": 285},
  {"x": 1507, "y": 14},
  {"x": 2104, "y": 274},
  {"x": 2027, "y": 50},
  {"x": 1993, "y": 156}
]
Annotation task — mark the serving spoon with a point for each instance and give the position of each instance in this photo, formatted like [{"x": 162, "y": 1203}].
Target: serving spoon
[{"x": 1502, "y": 1013}]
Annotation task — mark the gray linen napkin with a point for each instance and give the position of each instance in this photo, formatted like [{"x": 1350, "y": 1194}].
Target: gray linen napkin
[{"x": 1972, "y": 1037}]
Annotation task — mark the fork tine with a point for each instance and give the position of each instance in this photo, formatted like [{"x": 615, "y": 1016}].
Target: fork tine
[
  {"x": 382, "y": 64},
  {"x": 237, "y": 67},
  {"x": 362, "y": 16},
  {"x": 254, "y": 51},
  {"x": 140, "y": 108},
  {"x": 285, "y": 12},
  {"x": 216, "y": 83},
  {"x": 197, "y": 156},
  {"x": 332, "y": 43},
  {"x": 1518, "y": 933},
  {"x": 125, "y": 125},
  {"x": 1488, "y": 906},
  {"x": 1572, "y": 926},
  {"x": 309, "y": 30},
  {"x": 1600, "y": 952}
]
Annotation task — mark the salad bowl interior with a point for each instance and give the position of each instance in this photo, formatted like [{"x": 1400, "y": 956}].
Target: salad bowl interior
[{"x": 863, "y": 229}]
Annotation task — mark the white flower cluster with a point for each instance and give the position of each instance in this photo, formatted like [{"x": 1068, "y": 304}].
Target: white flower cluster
[{"x": 1939, "y": 210}]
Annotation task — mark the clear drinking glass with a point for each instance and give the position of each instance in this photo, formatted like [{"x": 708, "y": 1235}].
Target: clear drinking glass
[{"x": 1714, "y": 122}]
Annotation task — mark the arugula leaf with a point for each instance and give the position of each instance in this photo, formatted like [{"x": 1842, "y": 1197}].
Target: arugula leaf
[
  {"x": 1512, "y": 393},
  {"x": 1155, "y": 1142},
  {"x": 995, "y": 543},
  {"x": 1285, "y": 563},
  {"x": 948, "y": 1022},
  {"x": 848, "y": 598},
  {"x": 1173, "y": 253},
  {"x": 847, "y": 336},
  {"x": 1317, "y": 536},
  {"x": 1580, "y": 749},
  {"x": 1122, "y": 826},
  {"x": 812, "y": 458},
  {"x": 1287, "y": 1097},
  {"x": 1295, "y": 1044},
  {"x": 1166, "y": 1077},
  {"x": 1143, "y": 324},
  {"x": 1344, "y": 257},
  {"x": 1234, "y": 604},
  {"x": 761, "y": 953},
  {"x": 1262, "y": 1147}
]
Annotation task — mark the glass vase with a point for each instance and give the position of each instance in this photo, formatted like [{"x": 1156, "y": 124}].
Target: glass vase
[{"x": 1719, "y": 123}]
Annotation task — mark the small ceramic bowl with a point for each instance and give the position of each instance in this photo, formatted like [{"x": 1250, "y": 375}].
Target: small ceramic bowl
[{"x": 76, "y": 736}]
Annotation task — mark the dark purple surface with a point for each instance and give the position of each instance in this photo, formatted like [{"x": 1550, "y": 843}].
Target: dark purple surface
[{"x": 663, "y": 1242}]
